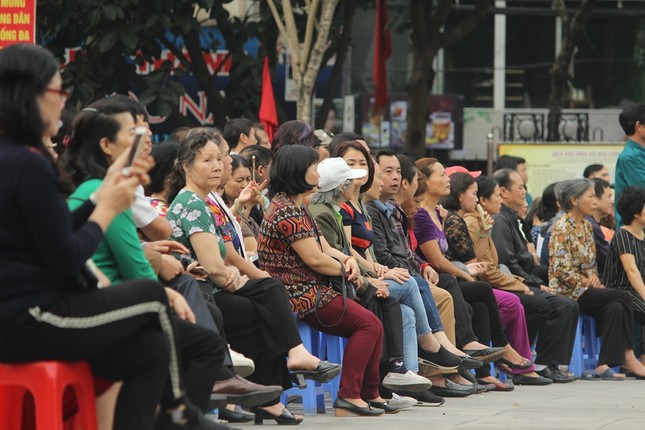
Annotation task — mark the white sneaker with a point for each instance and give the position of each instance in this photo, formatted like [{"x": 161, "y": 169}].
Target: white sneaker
[
  {"x": 408, "y": 381},
  {"x": 402, "y": 402},
  {"x": 243, "y": 366}
]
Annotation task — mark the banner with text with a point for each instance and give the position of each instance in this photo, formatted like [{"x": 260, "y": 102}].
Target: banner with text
[{"x": 17, "y": 22}]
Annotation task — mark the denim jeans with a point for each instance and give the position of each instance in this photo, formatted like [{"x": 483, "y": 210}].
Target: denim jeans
[
  {"x": 415, "y": 320},
  {"x": 432, "y": 312}
]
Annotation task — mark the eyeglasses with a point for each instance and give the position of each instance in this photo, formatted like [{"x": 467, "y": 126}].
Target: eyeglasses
[{"x": 64, "y": 93}]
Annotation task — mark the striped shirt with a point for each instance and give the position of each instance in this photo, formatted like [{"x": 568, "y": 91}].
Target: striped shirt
[{"x": 624, "y": 242}]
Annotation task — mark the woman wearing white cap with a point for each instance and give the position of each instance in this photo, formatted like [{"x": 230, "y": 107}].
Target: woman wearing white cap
[{"x": 291, "y": 250}]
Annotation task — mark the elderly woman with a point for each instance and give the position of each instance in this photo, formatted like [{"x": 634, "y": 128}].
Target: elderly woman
[
  {"x": 461, "y": 203},
  {"x": 573, "y": 273},
  {"x": 291, "y": 250},
  {"x": 257, "y": 316},
  {"x": 626, "y": 259}
]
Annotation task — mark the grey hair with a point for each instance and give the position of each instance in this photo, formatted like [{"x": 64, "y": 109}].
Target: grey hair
[
  {"x": 331, "y": 197},
  {"x": 572, "y": 188}
]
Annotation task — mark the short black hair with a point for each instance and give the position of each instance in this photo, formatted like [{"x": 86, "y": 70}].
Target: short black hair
[
  {"x": 548, "y": 207},
  {"x": 503, "y": 177},
  {"x": 591, "y": 169},
  {"x": 343, "y": 137},
  {"x": 293, "y": 132},
  {"x": 459, "y": 183},
  {"x": 236, "y": 127},
  {"x": 630, "y": 116},
  {"x": 289, "y": 168},
  {"x": 630, "y": 203},
  {"x": 408, "y": 168},
  {"x": 239, "y": 161},
  {"x": 508, "y": 162},
  {"x": 384, "y": 153},
  {"x": 600, "y": 185},
  {"x": 485, "y": 186},
  {"x": 25, "y": 73},
  {"x": 164, "y": 154},
  {"x": 263, "y": 155}
]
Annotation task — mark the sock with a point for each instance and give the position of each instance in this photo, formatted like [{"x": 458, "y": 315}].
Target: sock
[{"x": 396, "y": 366}]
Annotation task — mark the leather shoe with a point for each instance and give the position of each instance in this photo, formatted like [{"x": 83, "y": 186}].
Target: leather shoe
[
  {"x": 238, "y": 415},
  {"x": 324, "y": 372},
  {"x": 344, "y": 408},
  {"x": 556, "y": 375},
  {"x": 387, "y": 408},
  {"x": 453, "y": 389},
  {"x": 241, "y": 392},
  {"x": 467, "y": 363},
  {"x": 425, "y": 398},
  {"x": 521, "y": 379},
  {"x": 486, "y": 355},
  {"x": 442, "y": 359}
]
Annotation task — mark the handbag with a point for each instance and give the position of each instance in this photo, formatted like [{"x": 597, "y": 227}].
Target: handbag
[{"x": 84, "y": 280}]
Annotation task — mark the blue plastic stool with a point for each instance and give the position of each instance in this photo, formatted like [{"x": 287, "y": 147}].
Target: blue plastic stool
[
  {"x": 310, "y": 339},
  {"x": 577, "y": 364},
  {"x": 332, "y": 348}
]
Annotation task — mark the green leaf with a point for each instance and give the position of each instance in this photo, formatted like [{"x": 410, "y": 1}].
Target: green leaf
[
  {"x": 147, "y": 97},
  {"x": 129, "y": 39},
  {"x": 109, "y": 12},
  {"x": 94, "y": 16},
  {"x": 108, "y": 41}
]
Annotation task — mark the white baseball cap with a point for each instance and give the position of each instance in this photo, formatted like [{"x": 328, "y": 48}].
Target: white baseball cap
[{"x": 334, "y": 172}]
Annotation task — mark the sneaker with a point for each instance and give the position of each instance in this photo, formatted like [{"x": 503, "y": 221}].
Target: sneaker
[
  {"x": 408, "y": 381},
  {"x": 243, "y": 366},
  {"x": 425, "y": 398},
  {"x": 402, "y": 402}
]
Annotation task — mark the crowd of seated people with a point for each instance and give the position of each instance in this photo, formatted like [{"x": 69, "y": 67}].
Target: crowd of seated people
[{"x": 430, "y": 273}]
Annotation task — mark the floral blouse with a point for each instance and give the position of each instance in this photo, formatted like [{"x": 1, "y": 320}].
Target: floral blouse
[
  {"x": 189, "y": 214},
  {"x": 572, "y": 256},
  {"x": 160, "y": 206}
]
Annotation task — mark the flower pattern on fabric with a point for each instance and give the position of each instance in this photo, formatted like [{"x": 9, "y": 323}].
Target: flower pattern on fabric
[
  {"x": 572, "y": 256},
  {"x": 160, "y": 206},
  {"x": 283, "y": 224},
  {"x": 189, "y": 214}
]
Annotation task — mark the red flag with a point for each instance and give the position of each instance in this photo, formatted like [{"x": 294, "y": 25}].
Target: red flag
[
  {"x": 382, "y": 51},
  {"x": 268, "y": 113}
]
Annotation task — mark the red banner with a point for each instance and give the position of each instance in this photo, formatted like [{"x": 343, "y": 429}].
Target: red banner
[{"x": 17, "y": 22}]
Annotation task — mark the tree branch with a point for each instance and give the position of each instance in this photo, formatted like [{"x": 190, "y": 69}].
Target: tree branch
[
  {"x": 312, "y": 8},
  {"x": 467, "y": 25}
]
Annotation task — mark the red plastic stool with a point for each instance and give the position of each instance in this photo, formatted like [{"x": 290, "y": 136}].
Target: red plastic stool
[{"x": 46, "y": 381}]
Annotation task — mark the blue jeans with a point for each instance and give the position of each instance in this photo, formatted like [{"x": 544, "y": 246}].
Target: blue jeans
[
  {"x": 415, "y": 321},
  {"x": 432, "y": 312}
]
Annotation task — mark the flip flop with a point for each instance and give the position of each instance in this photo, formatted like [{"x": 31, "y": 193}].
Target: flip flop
[
  {"x": 590, "y": 375},
  {"x": 610, "y": 375}
]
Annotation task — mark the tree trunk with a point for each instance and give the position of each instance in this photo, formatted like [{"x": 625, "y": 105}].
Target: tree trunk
[
  {"x": 573, "y": 30},
  {"x": 349, "y": 7},
  {"x": 424, "y": 48}
]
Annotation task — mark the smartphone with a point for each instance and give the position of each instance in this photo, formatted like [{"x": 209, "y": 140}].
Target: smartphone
[
  {"x": 200, "y": 271},
  {"x": 136, "y": 148},
  {"x": 482, "y": 216}
]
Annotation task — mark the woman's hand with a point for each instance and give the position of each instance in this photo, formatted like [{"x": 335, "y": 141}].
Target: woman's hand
[
  {"x": 591, "y": 282},
  {"x": 528, "y": 291},
  {"x": 379, "y": 269},
  {"x": 478, "y": 268},
  {"x": 430, "y": 275},
  {"x": 381, "y": 286},
  {"x": 398, "y": 275},
  {"x": 352, "y": 271},
  {"x": 180, "y": 306},
  {"x": 252, "y": 193},
  {"x": 168, "y": 247},
  {"x": 547, "y": 289}
]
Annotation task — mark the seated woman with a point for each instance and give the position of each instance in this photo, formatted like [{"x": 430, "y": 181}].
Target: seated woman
[
  {"x": 626, "y": 259},
  {"x": 291, "y": 252},
  {"x": 335, "y": 177},
  {"x": 462, "y": 203},
  {"x": 100, "y": 133},
  {"x": 240, "y": 178},
  {"x": 429, "y": 231},
  {"x": 573, "y": 273},
  {"x": 257, "y": 317},
  {"x": 164, "y": 155},
  {"x": 127, "y": 332}
]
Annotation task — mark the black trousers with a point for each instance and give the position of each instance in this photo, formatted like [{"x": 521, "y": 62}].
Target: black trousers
[
  {"x": 388, "y": 310},
  {"x": 142, "y": 345},
  {"x": 614, "y": 313},
  {"x": 463, "y": 311},
  {"x": 557, "y": 334},
  {"x": 260, "y": 324}
]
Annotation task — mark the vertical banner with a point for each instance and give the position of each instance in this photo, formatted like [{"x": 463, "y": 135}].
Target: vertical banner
[{"x": 17, "y": 22}]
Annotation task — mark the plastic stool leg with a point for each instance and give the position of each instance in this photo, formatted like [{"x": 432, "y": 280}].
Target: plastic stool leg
[{"x": 576, "y": 366}]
